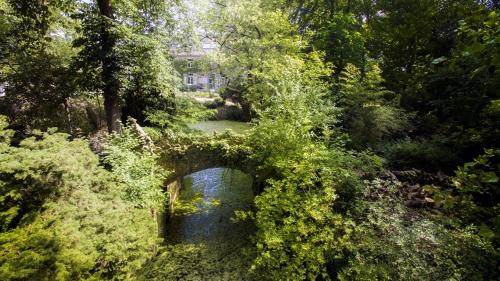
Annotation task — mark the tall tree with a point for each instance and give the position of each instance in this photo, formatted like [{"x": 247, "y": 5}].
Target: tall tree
[
  {"x": 408, "y": 35},
  {"x": 109, "y": 67},
  {"x": 254, "y": 38},
  {"x": 34, "y": 61},
  {"x": 124, "y": 56}
]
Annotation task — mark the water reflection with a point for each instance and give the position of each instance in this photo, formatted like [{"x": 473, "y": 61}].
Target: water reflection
[
  {"x": 210, "y": 127},
  {"x": 202, "y": 243},
  {"x": 206, "y": 203}
]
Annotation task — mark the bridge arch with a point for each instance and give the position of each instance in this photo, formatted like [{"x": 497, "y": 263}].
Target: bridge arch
[
  {"x": 182, "y": 157},
  {"x": 196, "y": 159}
]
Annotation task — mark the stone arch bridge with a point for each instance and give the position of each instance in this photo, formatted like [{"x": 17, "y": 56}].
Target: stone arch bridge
[{"x": 187, "y": 154}]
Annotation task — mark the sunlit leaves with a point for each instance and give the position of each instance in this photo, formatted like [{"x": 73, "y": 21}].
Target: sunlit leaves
[
  {"x": 137, "y": 169},
  {"x": 62, "y": 216}
]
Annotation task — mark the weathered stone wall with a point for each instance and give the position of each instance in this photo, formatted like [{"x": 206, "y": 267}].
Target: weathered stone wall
[
  {"x": 194, "y": 160},
  {"x": 186, "y": 156}
]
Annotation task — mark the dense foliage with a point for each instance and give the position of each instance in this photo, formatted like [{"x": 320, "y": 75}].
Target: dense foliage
[
  {"x": 374, "y": 140},
  {"x": 410, "y": 80},
  {"x": 35, "y": 57},
  {"x": 371, "y": 113},
  {"x": 64, "y": 217},
  {"x": 60, "y": 54},
  {"x": 301, "y": 226},
  {"x": 137, "y": 169}
]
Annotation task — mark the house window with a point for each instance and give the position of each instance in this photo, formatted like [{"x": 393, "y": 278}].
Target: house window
[
  {"x": 190, "y": 63},
  {"x": 190, "y": 79}
]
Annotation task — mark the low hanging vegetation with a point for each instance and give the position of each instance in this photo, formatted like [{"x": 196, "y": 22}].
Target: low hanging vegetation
[
  {"x": 374, "y": 139},
  {"x": 65, "y": 217}
]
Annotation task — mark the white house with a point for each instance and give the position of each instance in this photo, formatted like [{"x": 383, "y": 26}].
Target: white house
[{"x": 198, "y": 74}]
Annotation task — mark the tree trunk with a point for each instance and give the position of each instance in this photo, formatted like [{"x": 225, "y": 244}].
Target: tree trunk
[
  {"x": 68, "y": 114},
  {"x": 246, "y": 110},
  {"x": 109, "y": 68}
]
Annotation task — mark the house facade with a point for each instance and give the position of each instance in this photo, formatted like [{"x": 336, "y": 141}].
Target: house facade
[{"x": 197, "y": 71}]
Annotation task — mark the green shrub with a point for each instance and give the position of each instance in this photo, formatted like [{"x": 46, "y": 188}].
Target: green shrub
[
  {"x": 370, "y": 112},
  {"x": 217, "y": 102},
  {"x": 396, "y": 243},
  {"x": 231, "y": 112},
  {"x": 137, "y": 169},
  {"x": 187, "y": 111},
  {"x": 473, "y": 196},
  {"x": 424, "y": 155},
  {"x": 299, "y": 223},
  {"x": 62, "y": 216}
]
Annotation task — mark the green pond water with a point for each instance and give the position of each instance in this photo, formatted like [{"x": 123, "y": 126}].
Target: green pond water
[
  {"x": 211, "y": 127},
  {"x": 206, "y": 203},
  {"x": 202, "y": 242}
]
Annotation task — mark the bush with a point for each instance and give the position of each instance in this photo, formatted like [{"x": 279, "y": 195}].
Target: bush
[
  {"x": 393, "y": 242},
  {"x": 424, "y": 155},
  {"x": 473, "y": 196},
  {"x": 187, "y": 111},
  {"x": 217, "y": 102},
  {"x": 231, "y": 112},
  {"x": 298, "y": 232},
  {"x": 137, "y": 169},
  {"x": 62, "y": 216},
  {"x": 298, "y": 217},
  {"x": 370, "y": 112}
]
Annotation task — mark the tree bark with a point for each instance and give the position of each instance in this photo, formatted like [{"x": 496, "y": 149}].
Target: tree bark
[
  {"x": 109, "y": 68},
  {"x": 68, "y": 114}
]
